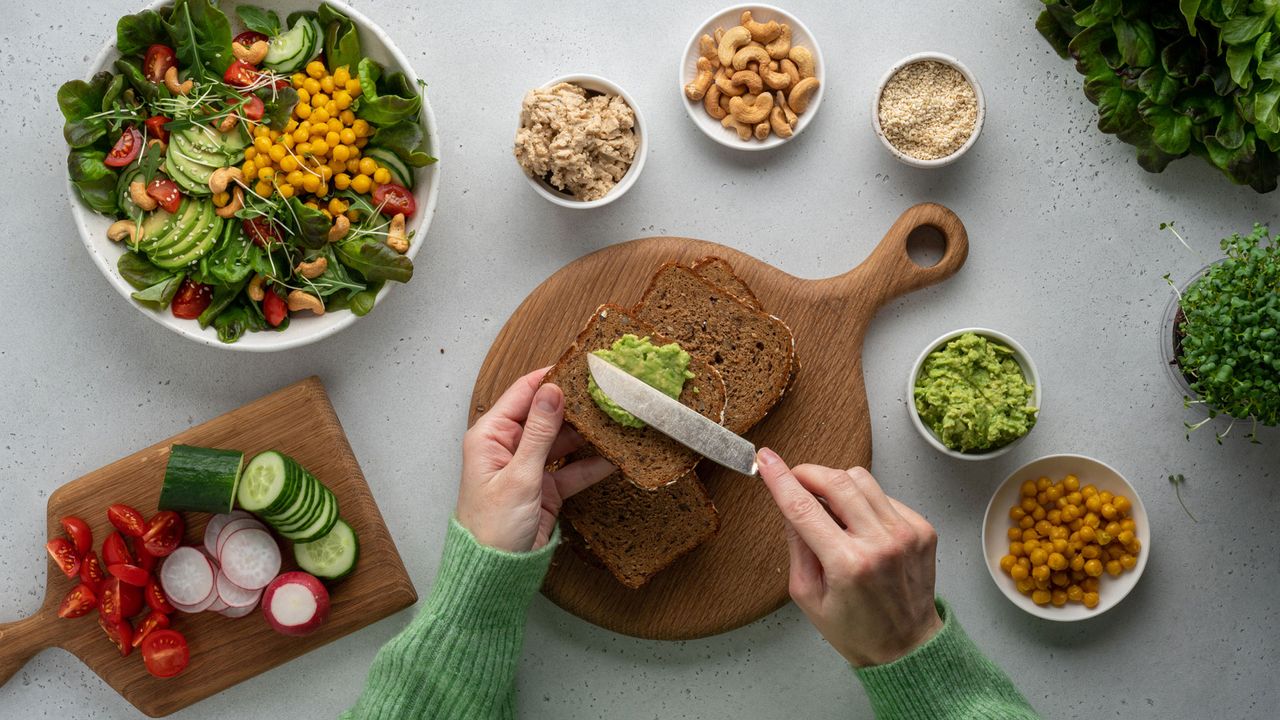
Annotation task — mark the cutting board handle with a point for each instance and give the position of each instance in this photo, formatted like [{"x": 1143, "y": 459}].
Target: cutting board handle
[
  {"x": 22, "y": 639},
  {"x": 889, "y": 271}
]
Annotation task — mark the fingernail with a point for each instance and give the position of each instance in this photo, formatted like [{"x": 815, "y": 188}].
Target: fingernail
[
  {"x": 767, "y": 457},
  {"x": 548, "y": 398}
]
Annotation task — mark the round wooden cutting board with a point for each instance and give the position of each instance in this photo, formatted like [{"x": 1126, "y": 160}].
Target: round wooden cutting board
[{"x": 740, "y": 575}]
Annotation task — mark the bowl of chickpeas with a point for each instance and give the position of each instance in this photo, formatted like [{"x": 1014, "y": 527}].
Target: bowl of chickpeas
[{"x": 1066, "y": 537}]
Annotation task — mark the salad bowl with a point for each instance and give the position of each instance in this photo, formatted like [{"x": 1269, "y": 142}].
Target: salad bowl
[{"x": 304, "y": 327}]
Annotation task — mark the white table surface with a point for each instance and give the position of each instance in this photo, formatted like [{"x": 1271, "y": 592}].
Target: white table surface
[{"x": 1065, "y": 256}]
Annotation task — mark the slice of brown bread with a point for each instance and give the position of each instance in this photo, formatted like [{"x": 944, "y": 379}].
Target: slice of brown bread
[
  {"x": 647, "y": 457},
  {"x": 719, "y": 272},
  {"x": 754, "y": 351},
  {"x": 635, "y": 533}
]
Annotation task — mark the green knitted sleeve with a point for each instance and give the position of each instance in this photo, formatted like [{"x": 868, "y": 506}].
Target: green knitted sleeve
[
  {"x": 947, "y": 678},
  {"x": 458, "y": 658}
]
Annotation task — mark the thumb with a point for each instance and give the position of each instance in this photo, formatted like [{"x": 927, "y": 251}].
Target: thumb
[{"x": 546, "y": 415}]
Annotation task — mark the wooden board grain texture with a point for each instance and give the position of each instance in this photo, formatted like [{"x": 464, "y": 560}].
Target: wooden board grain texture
[
  {"x": 740, "y": 575},
  {"x": 297, "y": 420}
]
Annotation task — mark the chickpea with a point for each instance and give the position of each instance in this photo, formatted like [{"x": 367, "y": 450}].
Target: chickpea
[
  {"x": 1093, "y": 568},
  {"x": 1090, "y": 600}
]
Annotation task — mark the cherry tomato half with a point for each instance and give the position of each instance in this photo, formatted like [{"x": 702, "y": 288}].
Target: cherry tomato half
[
  {"x": 165, "y": 192},
  {"x": 154, "y": 621},
  {"x": 164, "y": 532},
  {"x": 165, "y": 653},
  {"x": 126, "y": 149},
  {"x": 119, "y": 632},
  {"x": 78, "y": 533},
  {"x": 78, "y": 602},
  {"x": 127, "y": 520},
  {"x": 158, "y": 60},
  {"x": 261, "y": 231},
  {"x": 146, "y": 560},
  {"x": 240, "y": 74},
  {"x": 109, "y": 606},
  {"x": 393, "y": 199},
  {"x": 191, "y": 300},
  {"x": 130, "y": 574},
  {"x": 131, "y": 602},
  {"x": 253, "y": 108},
  {"x": 155, "y": 126},
  {"x": 156, "y": 599},
  {"x": 64, "y": 556},
  {"x": 274, "y": 308},
  {"x": 115, "y": 550},
  {"x": 249, "y": 37},
  {"x": 91, "y": 572}
]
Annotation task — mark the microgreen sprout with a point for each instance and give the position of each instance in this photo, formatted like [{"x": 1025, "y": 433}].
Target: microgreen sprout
[{"x": 1177, "y": 482}]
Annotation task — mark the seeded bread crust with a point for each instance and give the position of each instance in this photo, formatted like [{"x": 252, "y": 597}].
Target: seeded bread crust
[
  {"x": 754, "y": 351},
  {"x": 647, "y": 457},
  {"x": 719, "y": 272}
]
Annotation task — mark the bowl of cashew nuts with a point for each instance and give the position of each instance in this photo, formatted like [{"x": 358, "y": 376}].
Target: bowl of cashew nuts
[{"x": 752, "y": 77}]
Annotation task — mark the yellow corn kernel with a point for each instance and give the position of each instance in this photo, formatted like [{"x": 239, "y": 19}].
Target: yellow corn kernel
[
  {"x": 347, "y": 136},
  {"x": 319, "y": 115},
  {"x": 250, "y": 153},
  {"x": 220, "y": 199},
  {"x": 288, "y": 163},
  {"x": 381, "y": 176},
  {"x": 326, "y": 83},
  {"x": 368, "y": 166},
  {"x": 347, "y": 117},
  {"x": 315, "y": 69},
  {"x": 263, "y": 188},
  {"x": 286, "y": 190},
  {"x": 319, "y": 148},
  {"x": 342, "y": 181},
  {"x": 311, "y": 183},
  {"x": 277, "y": 153},
  {"x": 337, "y": 207},
  {"x": 302, "y": 110},
  {"x": 340, "y": 153},
  {"x": 361, "y": 183}
]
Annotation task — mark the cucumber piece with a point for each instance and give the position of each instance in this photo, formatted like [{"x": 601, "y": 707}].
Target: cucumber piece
[
  {"x": 265, "y": 481},
  {"x": 332, "y": 556},
  {"x": 301, "y": 508},
  {"x": 323, "y": 523},
  {"x": 401, "y": 173},
  {"x": 201, "y": 479},
  {"x": 291, "y": 50}
]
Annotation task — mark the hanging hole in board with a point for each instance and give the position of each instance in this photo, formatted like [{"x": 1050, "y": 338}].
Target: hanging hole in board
[{"x": 926, "y": 245}]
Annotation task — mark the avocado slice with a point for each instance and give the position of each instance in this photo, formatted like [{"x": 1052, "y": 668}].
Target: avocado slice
[
  {"x": 174, "y": 170},
  {"x": 213, "y": 141},
  {"x": 203, "y": 245},
  {"x": 188, "y": 235},
  {"x": 155, "y": 225},
  {"x": 174, "y": 232},
  {"x": 190, "y": 150}
]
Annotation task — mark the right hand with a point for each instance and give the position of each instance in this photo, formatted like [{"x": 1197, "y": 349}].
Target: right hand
[{"x": 862, "y": 566}]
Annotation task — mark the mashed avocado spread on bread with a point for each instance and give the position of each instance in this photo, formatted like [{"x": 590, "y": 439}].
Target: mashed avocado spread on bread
[{"x": 663, "y": 367}]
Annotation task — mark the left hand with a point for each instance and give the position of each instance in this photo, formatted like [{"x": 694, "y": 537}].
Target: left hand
[{"x": 507, "y": 498}]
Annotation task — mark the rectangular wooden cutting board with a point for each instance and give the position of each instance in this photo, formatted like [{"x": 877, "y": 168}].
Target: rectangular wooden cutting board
[{"x": 298, "y": 421}]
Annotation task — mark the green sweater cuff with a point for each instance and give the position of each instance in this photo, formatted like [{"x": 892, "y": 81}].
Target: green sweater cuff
[
  {"x": 946, "y": 677},
  {"x": 482, "y": 587}
]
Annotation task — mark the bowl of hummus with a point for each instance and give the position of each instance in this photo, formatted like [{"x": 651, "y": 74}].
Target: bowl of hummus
[
  {"x": 974, "y": 393},
  {"x": 581, "y": 141}
]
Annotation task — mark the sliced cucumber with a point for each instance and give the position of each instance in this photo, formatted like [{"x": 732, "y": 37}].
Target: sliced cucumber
[
  {"x": 300, "y": 507},
  {"x": 323, "y": 522},
  {"x": 265, "y": 480},
  {"x": 401, "y": 173},
  {"x": 201, "y": 479},
  {"x": 332, "y": 556},
  {"x": 291, "y": 50}
]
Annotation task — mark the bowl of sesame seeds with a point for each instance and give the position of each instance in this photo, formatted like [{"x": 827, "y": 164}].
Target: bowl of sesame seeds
[{"x": 929, "y": 110}]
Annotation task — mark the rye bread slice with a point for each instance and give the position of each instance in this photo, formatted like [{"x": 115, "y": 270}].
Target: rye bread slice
[
  {"x": 754, "y": 351},
  {"x": 719, "y": 272},
  {"x": 647, "y": 457},
  {"x": 635, "y": 533}
]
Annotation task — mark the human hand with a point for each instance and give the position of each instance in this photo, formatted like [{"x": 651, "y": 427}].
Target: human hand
[
  {"x": 507, "y": 498},
  {"x": 862, "y": 566}
]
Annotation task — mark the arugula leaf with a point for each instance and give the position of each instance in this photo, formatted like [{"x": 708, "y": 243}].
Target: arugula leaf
[
  {"x": 79, "y": 101},
  {"x": 159, "y": 296},
  {"x": 341, "y": 38},
  {"x": 201, "y": 36},
  {"x": 383, "y": 110},
  {"x": 94, "y": 182},
  {"x": 374, "y": 260},
  {"x": 407, "y": 140},
  {"x": 139, "y": 272},
  {"x": 136, "y": 33},
  {"x": 259, "y": 20}
]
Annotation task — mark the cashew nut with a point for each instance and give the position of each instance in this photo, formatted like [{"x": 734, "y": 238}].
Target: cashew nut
[
  {"x": 750, "y": 80},
  {"x": 707, "y": 49},
  {"x": 760, "y": 32},
  {"x": 781, "y": 45},
  {"x": 340, "y": 227},
  {"x": 788, "y": 67},
  {"x": 229, "y": 210},
  {"x": 733, "y": 39},
  {"x": 752, "y": 113},
  {"x": 801, "y": 94},
  {"x": 122, "y": 229},
  {"x": 774, "y": 79},
  {"x": 744, "y": 130},
  {"x": 299, "y": 300},
  {"x": 724, "y": 103},
  {"x": 803, "y": 59},
  {"x": 778, "y": 121},
  {"x": 726, "y": 85},
  {"x": 313, "y": 269},
  {"x": 175, "y": 87},
  {"x": 395, "y": 236},
  {"x": 697, "y": 89},
  {"x": 719, "y": 35},
  {"x": 138, "y": 194},
  {"x": 254, "y": 289},
  {"x": 787, "y": 112},
  {"x": 750, "y": 54},
  {"x": 762, "y": 130},
  {"x": 222, "y": 178},
  {"x": 711, "y": 103},
  {"x": 254, "y": 54},
  {"x": 228, "y": 122}
]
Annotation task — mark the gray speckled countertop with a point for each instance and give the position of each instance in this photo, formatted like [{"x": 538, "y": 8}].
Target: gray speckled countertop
[{"x": 1066, "y": 257}]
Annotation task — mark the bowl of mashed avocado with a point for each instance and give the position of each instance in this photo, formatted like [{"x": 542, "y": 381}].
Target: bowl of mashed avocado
[{"x": 974, "y": 393}]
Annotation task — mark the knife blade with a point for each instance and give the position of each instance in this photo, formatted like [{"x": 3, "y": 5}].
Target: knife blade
[{"x": 666, "y": 415}]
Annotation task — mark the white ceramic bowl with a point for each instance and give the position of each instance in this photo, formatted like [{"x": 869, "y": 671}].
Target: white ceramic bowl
[
  {"x": 1028, "y": 371},
  {"x": 304, "y": 328},
  {"x": 727, "y": 18},
  {"x": 995, "y": 526},
  {"x": 601, "y": 85},
  {"x": 977, "y": 126}
]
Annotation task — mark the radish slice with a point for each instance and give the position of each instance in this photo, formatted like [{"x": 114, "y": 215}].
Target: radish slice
[
  {"x": 250, "y": 558},
  {"x": 295, "y": 603},
  {"x": 215, "y": 525},
  {"x": 232, "y": 527},
  {"x": 238, "y": 612},
  {"x": 200, "y": 606},
  {"x": 218, "y": 605},
  {"x": 187, "y": 577},
  {"x": 234, "y": 595}
]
